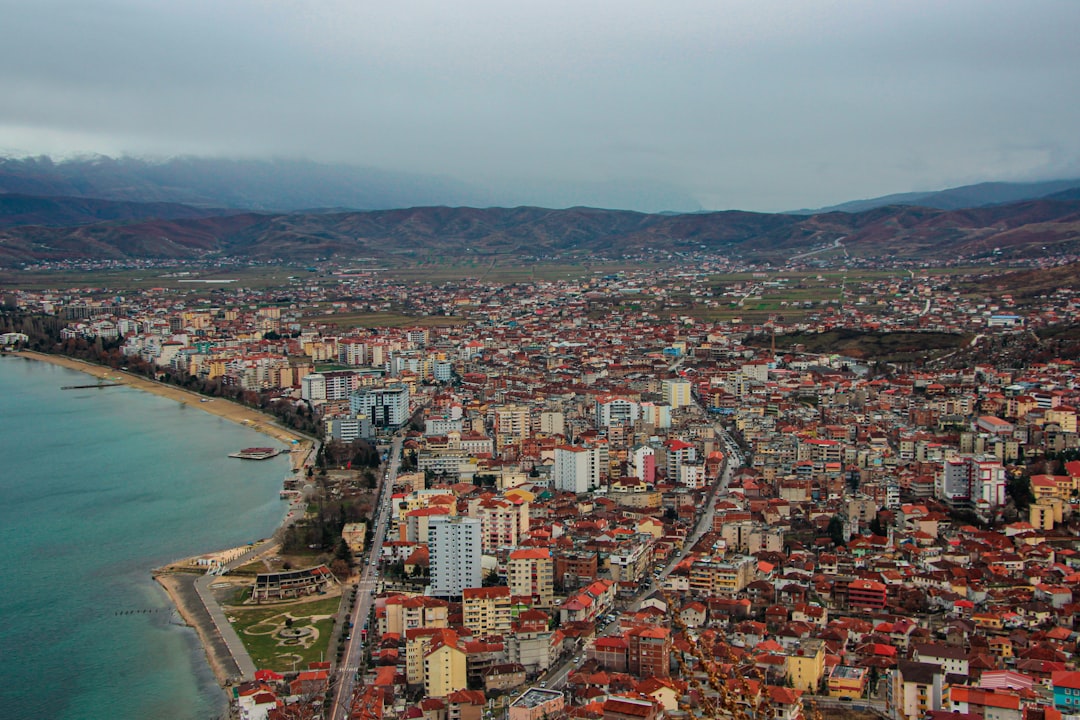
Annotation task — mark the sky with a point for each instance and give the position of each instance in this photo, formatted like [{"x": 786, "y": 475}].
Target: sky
[{"x": 759, "y": 104}]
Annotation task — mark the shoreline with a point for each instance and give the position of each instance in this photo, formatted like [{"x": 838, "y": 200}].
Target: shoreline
[
  {"x": 234, "y": 412},
  {"x": 180, "y": 585}
]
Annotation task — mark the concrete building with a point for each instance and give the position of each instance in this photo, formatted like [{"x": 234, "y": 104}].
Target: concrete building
[
  {"x": 576, "y": 469},
  {"x": 387, "y": 407},
  {"x": 536, "y": 704},
  {"x": 486, "y": 610},
  {"x": 454, "y": 545},
  {"x": 531, "y": 572}
]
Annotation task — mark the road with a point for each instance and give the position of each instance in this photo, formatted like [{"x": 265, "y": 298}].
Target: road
[
  {"x": 365, "y": 595},
  {"x": 556, "y": 676},
  {"x": 733, "y": 461},
  {"x": 837, "y": 243}
]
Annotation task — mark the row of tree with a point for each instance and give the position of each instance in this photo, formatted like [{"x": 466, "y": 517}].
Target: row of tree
[{"x": 43, "y": 333}]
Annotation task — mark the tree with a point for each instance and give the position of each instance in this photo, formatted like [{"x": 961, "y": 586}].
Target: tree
[
  {"x": 835, "y": 530},
  {"x": 340, "y": 568},
  {"x": 1018, "y": 487}
]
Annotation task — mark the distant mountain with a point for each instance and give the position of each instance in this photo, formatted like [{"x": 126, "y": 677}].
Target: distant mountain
[
  {"x": 1029, "y": 229},
  {"x": 291, "y": 185},
  {"x": 968, "y": 196},
  {"x": 274, "y": 185},
  {"x": 16, "y": 210}
]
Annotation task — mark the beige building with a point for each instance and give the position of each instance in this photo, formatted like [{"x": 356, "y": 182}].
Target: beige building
[
  {"x": 405, "y": 612},
  {"x": 354, "y": 535},
  {"x": 444, "y": 670},
  {"x": 486, "y": 610},
  {"x": 536, "y": 704},
  {"x": 531, "y": 573},
  {"x": 511, "y": 424}
]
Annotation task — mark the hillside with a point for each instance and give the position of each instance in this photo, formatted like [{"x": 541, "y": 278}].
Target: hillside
[{"x": 1030, "y": 229}]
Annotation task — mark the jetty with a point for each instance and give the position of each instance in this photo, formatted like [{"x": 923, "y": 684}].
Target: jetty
[{"x": 85, "y": 387}]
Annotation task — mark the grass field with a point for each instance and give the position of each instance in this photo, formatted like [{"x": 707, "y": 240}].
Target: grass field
[{"x": 260, "y": 630}]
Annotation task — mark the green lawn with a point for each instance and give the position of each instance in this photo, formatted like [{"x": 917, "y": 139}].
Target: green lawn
[{"x": 259, "y": 628}]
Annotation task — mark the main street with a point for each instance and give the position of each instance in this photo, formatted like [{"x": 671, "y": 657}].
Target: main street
[
  {"x": 365, "y": 590},
  {"x": 556, "y": 677}
]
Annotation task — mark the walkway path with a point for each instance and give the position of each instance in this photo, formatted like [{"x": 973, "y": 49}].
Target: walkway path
[{"x": 244, "y": 666}]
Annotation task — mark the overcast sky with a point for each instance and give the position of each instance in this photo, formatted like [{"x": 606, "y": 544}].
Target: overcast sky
[{"x": 762, "y": 105}]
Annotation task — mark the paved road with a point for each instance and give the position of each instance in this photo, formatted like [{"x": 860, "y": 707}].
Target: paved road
[
  {"x": 556, "y": 677},
  {"x": 365, "y": 596}
]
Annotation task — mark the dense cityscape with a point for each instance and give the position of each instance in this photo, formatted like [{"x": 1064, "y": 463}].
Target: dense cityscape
[{"x": 614, "y": 496}]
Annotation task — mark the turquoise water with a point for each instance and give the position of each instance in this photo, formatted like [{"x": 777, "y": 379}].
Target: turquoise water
[{"x": 97, "y": 488}]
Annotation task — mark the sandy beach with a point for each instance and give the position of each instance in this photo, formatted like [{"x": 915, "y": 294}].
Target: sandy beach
[
  {"x": 180, "y": 588},
  {"x": 258, "y": 421},
  {"x": 177, "y": 579}
]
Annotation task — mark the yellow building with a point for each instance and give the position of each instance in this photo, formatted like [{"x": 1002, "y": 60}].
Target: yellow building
[
  {"x": 1043, "y": 513},
  {"x": 354, "y": 535},
  {"x": 418, "y": 643},
  {"x": 444, "y": 670},
  {"x": 723, "y": 577},
  {"x": 847, "y": 681},
  {"x": 806, "y": 665}
]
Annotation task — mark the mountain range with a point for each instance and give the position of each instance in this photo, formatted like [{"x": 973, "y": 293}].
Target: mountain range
[
  {"x": 290, "y": 185},
  {"x": 1030, "y": 229},
  {"x": 48, "y": 211},
  {"x": 966, "y": 196}
]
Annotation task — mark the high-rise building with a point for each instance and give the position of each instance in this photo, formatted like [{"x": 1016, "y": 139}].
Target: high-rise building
[
  {"x": 576, "y": 469},
  {"x": 676, "y": 392},
  {"x": 486, "y": 610},
  {"x": 454, "y": 548},
  {"x": 643, "y": 463},
  {"x": 502, "y": 522},
  {"x": 971, "y": 481},
  {"x": 613, "y": 410},
  {"x": 531, "y": 572},
  {"x": 386, "y": 406},
  {"x": 511, "y": 425}
]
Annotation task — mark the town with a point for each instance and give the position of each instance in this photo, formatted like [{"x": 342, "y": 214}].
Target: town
[{"x": 643, "y": 493}]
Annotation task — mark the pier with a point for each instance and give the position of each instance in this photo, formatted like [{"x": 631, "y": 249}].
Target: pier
[{"x": 95, "y": 385}]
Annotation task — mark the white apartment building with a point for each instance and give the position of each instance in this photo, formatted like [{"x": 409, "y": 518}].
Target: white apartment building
[
  {"x": 576, "y": 469},
  {"x": 616, "y": 411},
  {"x": 454, "y": 545},
  {"x": 386, "y": 406}
]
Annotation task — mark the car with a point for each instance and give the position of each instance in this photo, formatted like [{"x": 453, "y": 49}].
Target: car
[{"x": 543, "y": 683}]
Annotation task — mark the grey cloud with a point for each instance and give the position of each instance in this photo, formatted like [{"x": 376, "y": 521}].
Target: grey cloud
[{"x": 758, "y": 105}]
